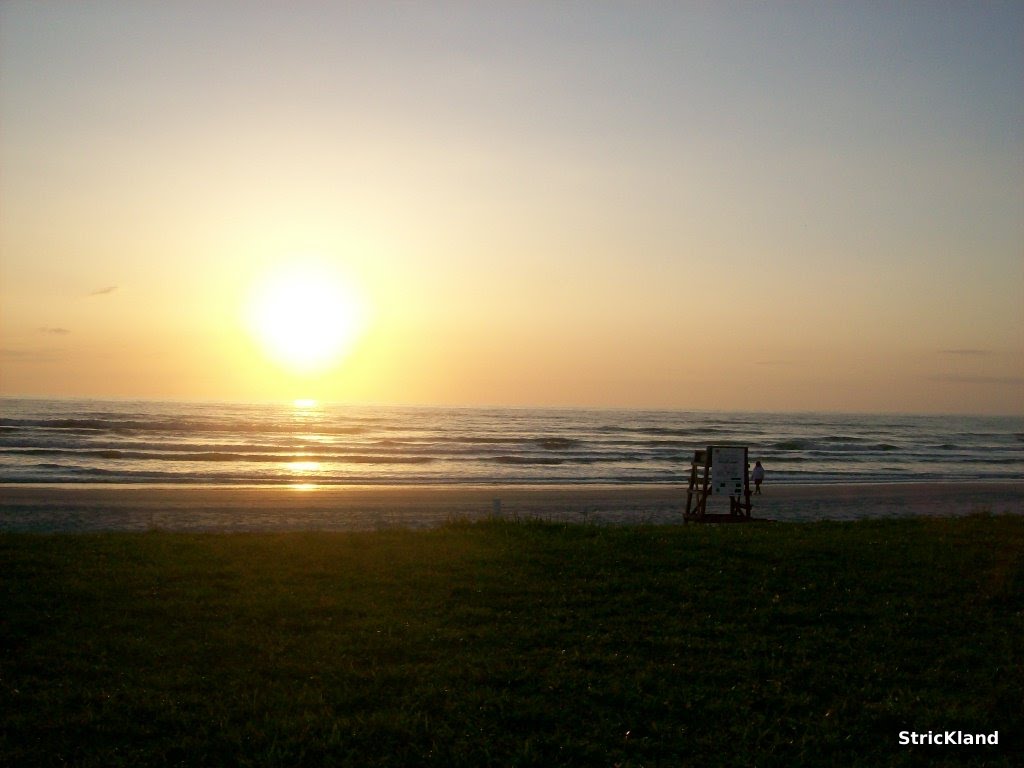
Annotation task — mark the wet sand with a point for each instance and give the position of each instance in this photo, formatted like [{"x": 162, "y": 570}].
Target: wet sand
[{"x": 138, "y": 508}]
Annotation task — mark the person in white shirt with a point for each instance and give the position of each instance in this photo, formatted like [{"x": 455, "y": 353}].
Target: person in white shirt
[{"x": 758, "y": 476}]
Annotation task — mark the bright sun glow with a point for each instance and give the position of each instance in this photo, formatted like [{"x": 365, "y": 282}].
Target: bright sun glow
[{"x": 305, "y": 317}]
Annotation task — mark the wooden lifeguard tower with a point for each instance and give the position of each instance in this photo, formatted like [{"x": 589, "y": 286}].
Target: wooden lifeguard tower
[{"x": 719, "y": 469}]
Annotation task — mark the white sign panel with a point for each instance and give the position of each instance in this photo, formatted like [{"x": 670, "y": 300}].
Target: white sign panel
[{"x": 728, "y": 470}]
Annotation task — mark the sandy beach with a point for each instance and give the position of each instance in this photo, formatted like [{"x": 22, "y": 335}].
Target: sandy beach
[{"x": 93, "y": 508}]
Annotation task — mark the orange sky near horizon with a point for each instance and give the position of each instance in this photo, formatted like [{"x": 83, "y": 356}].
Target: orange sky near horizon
[{"x": 721, "y": 206}]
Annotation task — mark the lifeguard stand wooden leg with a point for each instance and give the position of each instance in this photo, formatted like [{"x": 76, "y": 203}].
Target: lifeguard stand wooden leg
[{"x": 699, "y": 487}]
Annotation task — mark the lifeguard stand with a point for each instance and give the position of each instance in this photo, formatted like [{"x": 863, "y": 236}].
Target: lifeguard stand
[{"x": 717, "y": 470}]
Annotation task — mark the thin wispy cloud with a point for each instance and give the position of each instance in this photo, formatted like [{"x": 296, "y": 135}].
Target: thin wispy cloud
[
  {"x": 966, "y": 352},
  {"x": 54, "y": 331},
  {"x": 999, "y": 380},
  {"x": 29, "y": 355},
  {"x": 103, "y": 291}
]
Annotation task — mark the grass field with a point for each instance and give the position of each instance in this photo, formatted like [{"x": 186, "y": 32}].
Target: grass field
[{"x": 515, "y": 644}]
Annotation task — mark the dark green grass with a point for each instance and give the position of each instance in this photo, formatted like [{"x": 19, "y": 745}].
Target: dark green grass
[{"x": 515, "y": 644}]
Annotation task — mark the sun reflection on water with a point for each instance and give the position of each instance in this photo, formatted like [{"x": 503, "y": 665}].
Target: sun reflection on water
[
  {"x": 303, "y": 469},
  {"x": 306, "y": 408}
]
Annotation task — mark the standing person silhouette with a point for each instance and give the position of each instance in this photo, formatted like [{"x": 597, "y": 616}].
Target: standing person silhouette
[{"x": 758, "y": 476}]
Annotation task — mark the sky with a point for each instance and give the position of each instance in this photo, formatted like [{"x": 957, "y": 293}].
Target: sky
[{"x": 790, "y": 206}]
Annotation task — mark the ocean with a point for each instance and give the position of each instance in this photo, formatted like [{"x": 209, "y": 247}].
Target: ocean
[{"x": 208, "y": 444}]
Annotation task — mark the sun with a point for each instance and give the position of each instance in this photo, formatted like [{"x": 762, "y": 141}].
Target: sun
[{"x": 306, "y": 317}]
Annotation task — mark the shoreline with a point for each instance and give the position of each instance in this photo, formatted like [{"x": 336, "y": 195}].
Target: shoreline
[{"x": 71, "y": 509}]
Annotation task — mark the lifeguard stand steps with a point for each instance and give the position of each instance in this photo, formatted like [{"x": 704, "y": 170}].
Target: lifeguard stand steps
[{"x": 719, "y": 469}]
